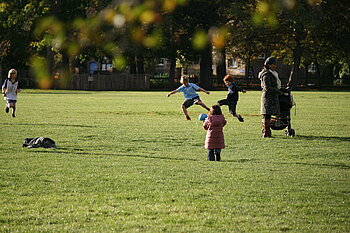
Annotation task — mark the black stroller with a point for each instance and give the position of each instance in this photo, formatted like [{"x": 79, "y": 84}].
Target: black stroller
[{"x": 283, "y": 121}]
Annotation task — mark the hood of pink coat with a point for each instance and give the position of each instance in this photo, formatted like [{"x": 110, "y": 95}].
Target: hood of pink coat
[{"x": 216, "y": 120}]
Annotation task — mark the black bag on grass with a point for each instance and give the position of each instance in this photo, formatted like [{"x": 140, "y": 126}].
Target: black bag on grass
[{"x": 39, "y": 142}]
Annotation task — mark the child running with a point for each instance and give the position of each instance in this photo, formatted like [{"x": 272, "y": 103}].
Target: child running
[
  {"x": 10, "y": 88},
  {"x": 214, "y": 140},
  {"x": 191, "y": 97},
  {"x": 232, "y": 96}
]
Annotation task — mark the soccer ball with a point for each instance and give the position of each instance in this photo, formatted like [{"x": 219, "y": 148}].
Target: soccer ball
[{"x": 202, "y": 117}]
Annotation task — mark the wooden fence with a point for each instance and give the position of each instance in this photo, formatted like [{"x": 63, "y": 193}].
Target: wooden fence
[
  {"x": 124, "y": 82},
  {"x": 110, "y": 82}
]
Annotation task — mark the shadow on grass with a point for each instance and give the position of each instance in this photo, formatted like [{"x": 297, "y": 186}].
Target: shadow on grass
[
  {"x": 57, "y": 93},
  {"x": 81, "y": 152},
  {"x": 65, "y": 151},
  {"x": 64, "y": 125},
  {"x": 344, "y": 139},
  {"x": 239, "y": 160},
  {"x": 342, "y": 166}
]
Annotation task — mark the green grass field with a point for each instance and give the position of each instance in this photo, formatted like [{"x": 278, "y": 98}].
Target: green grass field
[{"x": 130, "y": 162}]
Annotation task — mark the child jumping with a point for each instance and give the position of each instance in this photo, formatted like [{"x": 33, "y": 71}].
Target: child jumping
[
  {"x": 10, "y": 88},
  {"x": 232, "y": 96},
  {"x": 191, "y": 97},
  {"x": 214, "y": 140}
]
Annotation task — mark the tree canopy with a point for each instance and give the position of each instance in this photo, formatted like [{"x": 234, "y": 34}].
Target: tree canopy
[{"x": 48, "y": 35}]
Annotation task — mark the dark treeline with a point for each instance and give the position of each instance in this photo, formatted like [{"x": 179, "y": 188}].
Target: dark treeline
[{"x": 49, "y": 36}]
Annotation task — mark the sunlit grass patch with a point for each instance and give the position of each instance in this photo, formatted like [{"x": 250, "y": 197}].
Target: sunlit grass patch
[{"x": 129, "y": 161}]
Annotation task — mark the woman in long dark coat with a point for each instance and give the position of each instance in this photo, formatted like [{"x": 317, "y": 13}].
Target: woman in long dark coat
[{"x": 271, "y": 85}]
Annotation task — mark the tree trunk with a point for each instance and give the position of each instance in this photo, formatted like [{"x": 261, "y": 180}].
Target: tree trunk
[
  {"x": 336, "y": 71},
  {"x": 65, "y": 71},
  {"x": 248, "y": 70},
  {"x": 297, "y": 53},
  {"x": 172, "y": 70},
  {"x": 306, "y": 73},
  {"x": 132, "y": 65},
  {"x": 50, "y": 60},
  {"x": 318, "y": 72},
  {"x": 206, "y": 71},
  {"x": 221, "y": 66},
  {"x": 140, "y": 64}
]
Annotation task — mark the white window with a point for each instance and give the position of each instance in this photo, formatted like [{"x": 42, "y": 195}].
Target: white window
[
  {"x": 312, "y": 68},
  {"x": 231, "y": 63},
  {"x": 162, "y": 62},
  {"x": 262, "y": 56}
]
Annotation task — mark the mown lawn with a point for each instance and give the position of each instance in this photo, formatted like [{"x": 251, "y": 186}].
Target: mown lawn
[{"x": 130, "y": 162}]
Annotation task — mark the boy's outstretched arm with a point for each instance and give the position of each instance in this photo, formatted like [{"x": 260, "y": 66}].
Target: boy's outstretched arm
[
  {"x": 171, "y": 93},
  {"x": 206, "y": 92},
  {"x": 240, "y": 88}
]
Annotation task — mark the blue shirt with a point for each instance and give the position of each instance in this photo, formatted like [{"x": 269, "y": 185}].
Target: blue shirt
[{"x": 190, "y": 91}]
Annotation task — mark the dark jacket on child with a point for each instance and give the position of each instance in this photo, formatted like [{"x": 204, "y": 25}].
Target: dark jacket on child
[{"x": 233, "y": 90}]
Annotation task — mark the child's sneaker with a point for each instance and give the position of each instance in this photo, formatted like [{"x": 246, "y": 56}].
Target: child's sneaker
[
  {"x": 240, "y": 118},
  {"x": 7, "y": 110}
]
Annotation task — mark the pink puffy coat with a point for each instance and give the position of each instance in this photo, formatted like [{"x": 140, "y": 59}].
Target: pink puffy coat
[{"x": 214, "y": 125}]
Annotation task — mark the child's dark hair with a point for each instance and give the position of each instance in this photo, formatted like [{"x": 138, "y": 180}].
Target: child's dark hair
[{"x": 215, "y": 110}]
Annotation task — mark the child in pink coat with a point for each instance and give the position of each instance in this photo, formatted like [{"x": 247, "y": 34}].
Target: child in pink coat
[{"x": 214, "y": 140}]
